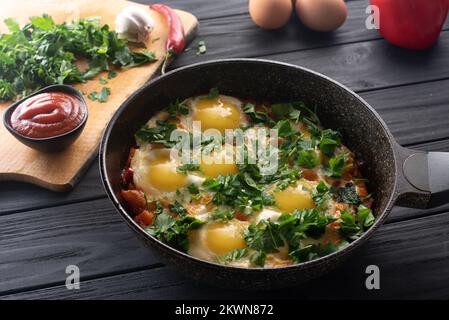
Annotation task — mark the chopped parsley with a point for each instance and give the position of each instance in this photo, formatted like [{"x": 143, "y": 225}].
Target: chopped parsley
[
  {"x": 232, "y": 256},
  {"x": 43, "y": 52},
  {"x": 101, "y": 96},
  {"x": 308, "y": 159},
  {"x": 201, "y": 48},
  {"x": 268, "y": 236},
  {"x": 188, "y": 167},
  {"x": 177, "y": 108},
  {"x": 261, "y": 117},
  {"x": 235, "y": 191},
  {"x": 159, "y": 134},
  {"x": 177, "y": 208},
  {"x": 112, "y": 75},
  {"x": 193, "y": 189},
  {"x": 329, "y": 141},
  {"x": 213, "y": 94},
  {"x": 347, "y": 194},
  {"x": 321, "y": 195},
  {"x": 284, "y": 128},
  {"x": 352, "y": 227},
  {"x": 174, "y": 231},
  {"x": 336, "y": 166},
  {"x": 224, "y": 215}
]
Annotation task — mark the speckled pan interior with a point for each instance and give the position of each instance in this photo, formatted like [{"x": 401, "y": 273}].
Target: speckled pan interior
[{"x": 337, "y": 107}]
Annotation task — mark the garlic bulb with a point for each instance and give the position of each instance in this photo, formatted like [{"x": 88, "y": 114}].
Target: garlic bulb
[{"x": 134, "y": 24}]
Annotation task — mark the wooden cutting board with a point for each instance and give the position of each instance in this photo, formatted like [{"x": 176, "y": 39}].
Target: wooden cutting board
[{"x": 61, "y": 171}]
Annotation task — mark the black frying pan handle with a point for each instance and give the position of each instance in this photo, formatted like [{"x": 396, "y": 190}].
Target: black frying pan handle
[{"x": 423, "y": 178}]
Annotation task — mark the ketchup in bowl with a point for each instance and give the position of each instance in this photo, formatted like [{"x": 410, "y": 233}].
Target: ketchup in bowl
[
  {"x": 48, "y": 120},
  {"x": 48, "y": 114}
]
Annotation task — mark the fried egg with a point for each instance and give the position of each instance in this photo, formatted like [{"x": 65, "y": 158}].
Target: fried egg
[
  {"x": 221, "y": 113},
  {"x": 296, "y": 197},
  {"x": 219, "y": 162},
  {"x": 155, "y": 172},
  {"x": 217, "y": 238}
]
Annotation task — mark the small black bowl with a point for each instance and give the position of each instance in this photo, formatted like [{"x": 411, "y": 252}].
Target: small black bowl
[{"x": 50, "y": 144}]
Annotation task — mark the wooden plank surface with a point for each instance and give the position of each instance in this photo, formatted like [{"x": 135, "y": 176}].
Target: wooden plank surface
[
  {"x": 237, "y": 36},
  {"x": 89, "y": 235},
  {"x": 400, "y": 250},
  {"x": 89, "y": 238},
  {"x": 61, "y": 171},
  {"x": 364, "y": 65}
]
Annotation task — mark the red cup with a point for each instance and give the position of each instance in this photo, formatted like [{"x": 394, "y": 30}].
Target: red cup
[{"x": 411, "y": 24}]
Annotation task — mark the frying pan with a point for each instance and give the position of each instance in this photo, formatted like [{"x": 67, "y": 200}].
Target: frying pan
[{"x": 396, "y": 175}]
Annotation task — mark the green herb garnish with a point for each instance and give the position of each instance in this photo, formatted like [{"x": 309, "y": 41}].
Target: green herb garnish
[
  {"x": 44, "y": 53},
  {"x": 336, "y": 166},
  {"x": 347, "y": 194},
  {"x": 232, "y": 256},
  {"x": 174, "y": 231},
  {"x": 268, "y": 236},
  {"x": 234, "y": 190},
  {"x": 213, "y": 94},
  {"x": 101, "y": 96},
  {"x": 193, "y": 189},
  {"x": 112, "y": 75},
  {"x": 352, "y": 227},
  {"x": 224, "y": 215},
  {"x": 159, "y": 134},
  {"x": 188, "y": 167},
  {"x": 329, "y": 141},
  {"x": 258, "y": 116},
  {"x": 308, "y": 159},
  {"x": 177, "y": 108},
  {"x": 201, "y": 47},
  {"x": 177, "y": 208}
]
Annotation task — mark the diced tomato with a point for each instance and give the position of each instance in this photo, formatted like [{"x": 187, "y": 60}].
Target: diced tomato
[
  {"x": 135, "y": 200},
  {"x": 347, "y": 175},
  {"x": 240, "y": 216},
  {"x": 145, "y": 218},
  {"x": 132, "y": 151},
  {"x": 310, "y": 175},
  {"x": 361, "y": 189},
  {"x": 127, "y": 176}
]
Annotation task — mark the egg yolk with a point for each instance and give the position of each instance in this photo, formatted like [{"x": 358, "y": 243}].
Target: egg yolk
[
  {"x": 162, "y": 175},
  {"x": 291, "y": 199},
  {"x": 214, "y": 170},
  {"x": 222, "y": 238},
  {"x": 215, "y": 164},
  {"x": 217, "y": 114}
]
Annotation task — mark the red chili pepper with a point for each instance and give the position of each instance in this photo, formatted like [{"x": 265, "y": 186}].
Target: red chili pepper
[
  {"x": 412, "y": 24},
  {"x": 176, "y": 36}
]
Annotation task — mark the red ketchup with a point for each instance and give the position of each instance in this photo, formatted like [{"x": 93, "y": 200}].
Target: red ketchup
[{"x": 47, "y": 115}]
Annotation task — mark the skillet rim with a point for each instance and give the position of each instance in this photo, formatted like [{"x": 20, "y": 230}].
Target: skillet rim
[{"x": 209, "y": 264}]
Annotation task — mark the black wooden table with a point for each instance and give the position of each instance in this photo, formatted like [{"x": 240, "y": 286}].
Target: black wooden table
[{"x": 41, "y": 232}]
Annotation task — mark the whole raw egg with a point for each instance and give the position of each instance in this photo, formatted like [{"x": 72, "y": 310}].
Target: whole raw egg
[
  {"x": 321, "y": 15},
  {"x": 270, "y": 14}
]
